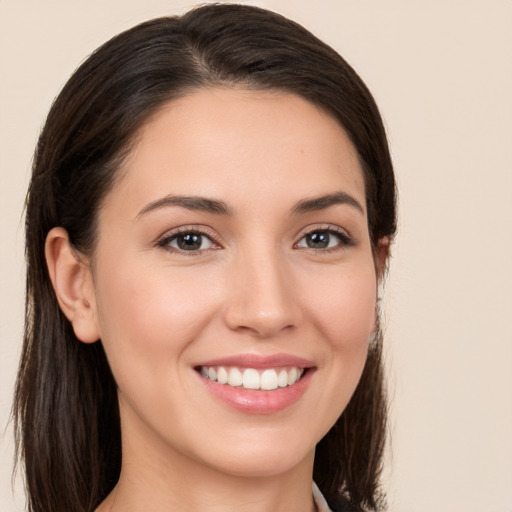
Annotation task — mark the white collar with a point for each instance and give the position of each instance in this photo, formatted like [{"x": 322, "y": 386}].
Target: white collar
[{"x": 320, "y": 500}]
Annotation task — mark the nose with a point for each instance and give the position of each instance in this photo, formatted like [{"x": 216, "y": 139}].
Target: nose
[{"x": 262, "y": 302}]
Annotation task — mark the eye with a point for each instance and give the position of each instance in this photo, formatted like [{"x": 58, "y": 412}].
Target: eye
[
  {"x": 188, "y": 241},
  {"x": 324, "y": 239}
]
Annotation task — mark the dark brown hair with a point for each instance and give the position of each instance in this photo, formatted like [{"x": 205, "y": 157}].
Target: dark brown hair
[{"x": 66, "y": 412}]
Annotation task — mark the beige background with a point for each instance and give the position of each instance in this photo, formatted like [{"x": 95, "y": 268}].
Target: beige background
[{"x": 441, "y": 72}]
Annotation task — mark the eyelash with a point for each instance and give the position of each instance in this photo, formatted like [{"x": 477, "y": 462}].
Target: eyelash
[
  {"x": 175, "y": 233},
  {"x": 345, "y": 240}
]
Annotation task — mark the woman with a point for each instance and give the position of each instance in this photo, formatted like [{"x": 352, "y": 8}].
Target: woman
[{"x": 209, "y": 217}]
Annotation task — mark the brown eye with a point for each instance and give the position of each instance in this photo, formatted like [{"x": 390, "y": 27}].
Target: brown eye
[
  {"x": 318, "y": 240},
  {"x": 189, "y": 241}
]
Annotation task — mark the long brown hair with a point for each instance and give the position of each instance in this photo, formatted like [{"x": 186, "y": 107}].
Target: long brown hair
[{"x": 65, "y": 409}]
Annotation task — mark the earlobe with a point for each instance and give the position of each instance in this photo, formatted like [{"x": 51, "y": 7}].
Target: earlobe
[
  {"x": 381, "y": 256},
  {"x": 73, "y": 285}
]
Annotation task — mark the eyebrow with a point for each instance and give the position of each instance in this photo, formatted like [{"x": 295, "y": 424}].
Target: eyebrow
[
  {"x": 325, "y": 201},
  {"x": 217, "y": 207},
  {"x": 201, "y": 204}
]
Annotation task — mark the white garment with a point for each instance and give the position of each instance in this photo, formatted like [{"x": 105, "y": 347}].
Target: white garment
[{"x": 320, "y": 500}]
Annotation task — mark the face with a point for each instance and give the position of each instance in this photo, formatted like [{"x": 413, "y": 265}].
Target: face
[{"x": 234, "y": 283}]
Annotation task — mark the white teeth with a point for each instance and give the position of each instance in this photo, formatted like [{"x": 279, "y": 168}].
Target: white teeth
[
  {"x": 282, "y": 379},
  {"x": 222, "y": 375},
  {"x": 292, "y": 376},
  {"x": 269, "y": 380},
  {"x": 250, "y": 378},
  {"x": 234, "y": 377}
]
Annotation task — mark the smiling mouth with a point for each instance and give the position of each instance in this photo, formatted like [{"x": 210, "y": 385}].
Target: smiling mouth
[{"x": 266, "y": 379}]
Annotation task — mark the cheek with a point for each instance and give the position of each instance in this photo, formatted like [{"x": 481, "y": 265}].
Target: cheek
[
  {"x": 148, "y": 318},
  {"x": 341, "y": 309},
  {"x": 346, "y": 310},
  {"x": 346, "y": 317}
]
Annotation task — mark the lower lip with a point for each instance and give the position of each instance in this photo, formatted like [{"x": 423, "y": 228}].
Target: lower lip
[{"x": 259, "y": 401}]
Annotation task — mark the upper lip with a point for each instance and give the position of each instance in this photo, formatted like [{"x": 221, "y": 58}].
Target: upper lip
[{"x": 260, "y": 361}]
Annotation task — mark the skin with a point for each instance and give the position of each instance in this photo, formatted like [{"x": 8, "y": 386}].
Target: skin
[{"x": 254, "y": 287}]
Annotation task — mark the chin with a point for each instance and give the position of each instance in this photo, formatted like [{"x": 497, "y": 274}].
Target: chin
[
  {"x": 261, "y": 455},
  {"x": 264, "y": 464}
]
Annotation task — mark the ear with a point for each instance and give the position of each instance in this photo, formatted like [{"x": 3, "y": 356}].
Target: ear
[
  {"x": 381, "y": 257},
  {"x": 72, "y": 282}
]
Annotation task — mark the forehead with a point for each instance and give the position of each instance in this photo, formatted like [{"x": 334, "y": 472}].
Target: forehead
[{"x": 222, "y": 141}]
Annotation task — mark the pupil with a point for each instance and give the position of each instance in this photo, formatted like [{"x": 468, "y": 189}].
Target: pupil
[
  {"x": 318, "y": 240},
  {"x": 189, "y": 242}
]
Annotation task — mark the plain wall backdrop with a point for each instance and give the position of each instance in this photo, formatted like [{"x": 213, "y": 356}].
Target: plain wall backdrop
[{"x": 441, "y": 72}]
